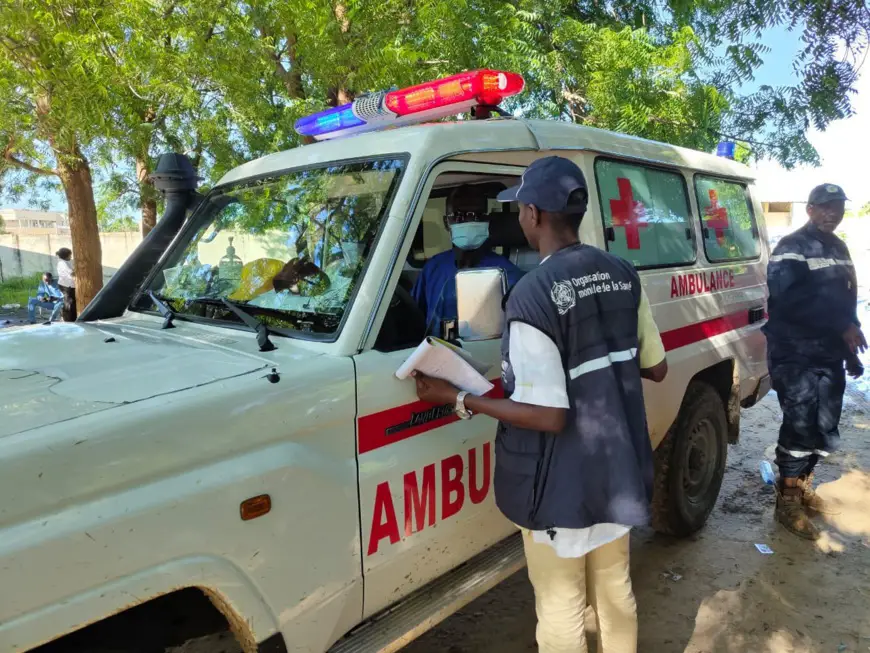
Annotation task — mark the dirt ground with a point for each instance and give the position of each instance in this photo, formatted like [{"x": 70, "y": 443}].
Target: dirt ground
[{"x": 714, "y": 592}]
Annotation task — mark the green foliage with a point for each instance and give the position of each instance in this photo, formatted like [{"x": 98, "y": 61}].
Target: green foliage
[
  {"x": 109, "y": 223},
  {"x": 18, "y": 289},
  {"x": 864, "y": 210}
]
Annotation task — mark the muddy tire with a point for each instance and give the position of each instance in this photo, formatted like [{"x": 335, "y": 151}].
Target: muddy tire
[{"x": 690, "y": 463}]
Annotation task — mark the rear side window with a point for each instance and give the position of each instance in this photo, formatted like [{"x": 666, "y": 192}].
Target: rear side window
[
  {"x": 646, "y": 214},
  {"x": 729, "y": 228}
]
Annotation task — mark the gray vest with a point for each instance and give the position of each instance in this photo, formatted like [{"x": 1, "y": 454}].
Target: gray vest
[{"x": 599, "y": 469}]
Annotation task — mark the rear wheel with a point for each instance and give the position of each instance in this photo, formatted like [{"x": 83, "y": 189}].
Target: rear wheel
[{"x": 690, "y": 463}]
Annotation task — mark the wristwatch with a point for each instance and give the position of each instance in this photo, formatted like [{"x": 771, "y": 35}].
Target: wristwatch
[{"x": 461, "y": 411}]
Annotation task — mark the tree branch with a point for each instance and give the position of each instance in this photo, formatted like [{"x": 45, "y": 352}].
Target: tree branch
[{"x": 18, "y": 163}]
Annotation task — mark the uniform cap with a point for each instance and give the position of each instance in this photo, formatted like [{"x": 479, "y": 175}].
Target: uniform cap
[
  {"x": 826, "y": 193},
  {"x": 548, "y": 184}
]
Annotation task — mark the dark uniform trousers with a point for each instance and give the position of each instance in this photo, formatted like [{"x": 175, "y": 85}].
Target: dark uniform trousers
[{"x": 811, "y": 398}]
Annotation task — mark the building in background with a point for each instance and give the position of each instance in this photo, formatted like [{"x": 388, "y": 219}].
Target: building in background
[
  {"x": 784, "y": 215},
  {"x": 27, "y": 222}
]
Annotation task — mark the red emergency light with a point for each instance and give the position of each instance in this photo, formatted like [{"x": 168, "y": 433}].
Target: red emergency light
[
  {"x": 486, "y": 87},
  {"x": 429, "y": 101}
]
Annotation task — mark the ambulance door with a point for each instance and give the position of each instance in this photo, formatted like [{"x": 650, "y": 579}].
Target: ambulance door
[{"x": 425, "y": 476}]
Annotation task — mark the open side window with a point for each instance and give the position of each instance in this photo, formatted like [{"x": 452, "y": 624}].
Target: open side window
[{"x": 404, "y": 324}]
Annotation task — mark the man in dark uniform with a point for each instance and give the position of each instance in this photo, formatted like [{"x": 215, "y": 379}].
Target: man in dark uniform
[
  {"x": 813, "y": 339},
  {"x": 574, "y": 465}
]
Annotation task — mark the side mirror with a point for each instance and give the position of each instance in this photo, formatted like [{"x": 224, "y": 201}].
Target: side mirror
[{"x": 479, "y": 295}]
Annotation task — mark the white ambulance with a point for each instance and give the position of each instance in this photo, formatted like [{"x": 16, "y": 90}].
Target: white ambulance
[{"x": 203, "y": 453}]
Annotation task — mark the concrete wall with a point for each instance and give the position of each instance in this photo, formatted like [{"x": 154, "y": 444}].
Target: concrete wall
[{"x": 25, "y": 255}]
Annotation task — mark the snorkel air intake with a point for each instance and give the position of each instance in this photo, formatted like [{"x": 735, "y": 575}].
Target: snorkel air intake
[{"x": 176, "y": 181}]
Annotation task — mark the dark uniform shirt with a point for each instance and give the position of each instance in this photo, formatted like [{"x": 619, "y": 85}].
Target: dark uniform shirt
[{"x": 813, "y": 297}]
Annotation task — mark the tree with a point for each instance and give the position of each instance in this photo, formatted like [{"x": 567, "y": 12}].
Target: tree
[
  {"x": 589, "y": 67},
  {"x": 159, "y": 91},
  {"x": 662, "y": 69},
  {"x": 50, "y": 113}
]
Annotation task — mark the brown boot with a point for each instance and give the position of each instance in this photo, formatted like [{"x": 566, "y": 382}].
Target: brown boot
[
  {"x": 813, "y": 501},
  {"x": 791, "y": 514}
]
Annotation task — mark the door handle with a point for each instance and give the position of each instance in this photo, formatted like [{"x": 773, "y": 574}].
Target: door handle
[{"x": 756, "y": 314}]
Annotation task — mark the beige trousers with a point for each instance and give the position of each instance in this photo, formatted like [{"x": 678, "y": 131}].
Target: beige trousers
[{"x": 562, "y": 586}]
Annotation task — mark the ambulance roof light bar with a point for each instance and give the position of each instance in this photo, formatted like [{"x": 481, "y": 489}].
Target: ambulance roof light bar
[{"x": 428, "y": 101}]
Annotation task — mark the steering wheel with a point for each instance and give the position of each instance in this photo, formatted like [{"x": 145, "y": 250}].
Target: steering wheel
[
  {"x": 404, "y": 324},
  {"x": 411, "y": 309}
]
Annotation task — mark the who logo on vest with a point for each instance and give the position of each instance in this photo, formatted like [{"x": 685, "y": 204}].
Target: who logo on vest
[{"x": 563, "y": 296}]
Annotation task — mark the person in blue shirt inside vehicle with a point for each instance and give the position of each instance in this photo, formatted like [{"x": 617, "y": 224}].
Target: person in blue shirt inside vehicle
[
  {"x": 813, "y": 339},
  {"x": 48, "y": 296},
  {"x": 468, "y": 223}
]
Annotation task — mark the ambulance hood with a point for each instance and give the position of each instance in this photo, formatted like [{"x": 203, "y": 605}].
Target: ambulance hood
[{"x": 55, "y": 373}]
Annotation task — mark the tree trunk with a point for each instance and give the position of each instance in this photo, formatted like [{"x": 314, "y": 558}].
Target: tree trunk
[
  {"x": 75, "y": 175},
  {"x": 147, "y": 201},
  {"x": 341, "y": 94},
  {"x": 336, "y": 97}
]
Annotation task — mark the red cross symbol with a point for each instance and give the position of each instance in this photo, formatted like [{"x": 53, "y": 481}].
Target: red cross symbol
[
  {"x": 717, "y": 217},
  {"x": 628, "y": 213}
]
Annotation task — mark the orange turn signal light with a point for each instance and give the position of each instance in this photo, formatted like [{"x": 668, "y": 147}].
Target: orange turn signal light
[{"x": 255, "y": 507}]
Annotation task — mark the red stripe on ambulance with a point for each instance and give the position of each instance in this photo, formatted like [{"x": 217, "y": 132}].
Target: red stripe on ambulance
[
  {"x": 689, "y": 335},
  {"x": 402, "y": 422}
]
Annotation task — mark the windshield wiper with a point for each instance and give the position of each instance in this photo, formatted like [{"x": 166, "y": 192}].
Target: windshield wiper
[
  {"x": 252, "y": 323},
  {"x": 165, "y": 310}
]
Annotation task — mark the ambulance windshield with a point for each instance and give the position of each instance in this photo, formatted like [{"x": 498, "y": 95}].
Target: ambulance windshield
[{"x": 289, "y": 248}]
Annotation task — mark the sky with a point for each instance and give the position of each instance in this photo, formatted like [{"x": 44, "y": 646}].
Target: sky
[{"x": 842, "y": 147}]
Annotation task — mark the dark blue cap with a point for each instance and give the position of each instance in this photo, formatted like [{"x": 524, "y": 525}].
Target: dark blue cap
[
  {"x": 825, "y": 193},
  {"x": 548, "y": 184}
]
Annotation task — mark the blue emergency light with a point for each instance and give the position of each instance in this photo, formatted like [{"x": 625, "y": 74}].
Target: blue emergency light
[
  {"x": 726, "y": 149},
  {"x": 429, "y": 101},
  {"x": 332, "y": 120}
]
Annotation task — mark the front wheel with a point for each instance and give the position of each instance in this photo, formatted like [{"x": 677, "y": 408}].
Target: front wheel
[{"x": 690, "y": 463}]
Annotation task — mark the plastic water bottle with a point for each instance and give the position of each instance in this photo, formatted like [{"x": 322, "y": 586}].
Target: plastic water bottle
[{"x": 767, "y": 474}]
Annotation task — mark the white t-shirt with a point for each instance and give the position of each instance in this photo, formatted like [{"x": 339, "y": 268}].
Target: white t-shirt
[
  {"x": 540, "y": 380},
  {"x": 65, "y": 274}
]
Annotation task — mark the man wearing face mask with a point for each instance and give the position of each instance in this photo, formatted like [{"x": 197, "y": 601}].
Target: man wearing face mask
[
  {"x": 468, "y": 223},
  {"x": 813, "y": 339}
]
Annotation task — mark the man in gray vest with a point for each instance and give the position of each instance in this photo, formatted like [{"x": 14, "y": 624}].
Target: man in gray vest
[{"x": 574, "y": 465}]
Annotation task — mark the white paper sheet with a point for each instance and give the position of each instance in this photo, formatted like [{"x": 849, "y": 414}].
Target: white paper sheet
[{"x": 441, "y": 360}]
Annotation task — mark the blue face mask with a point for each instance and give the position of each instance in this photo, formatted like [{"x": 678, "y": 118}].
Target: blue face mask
[{"x": 469, "y": 235}]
